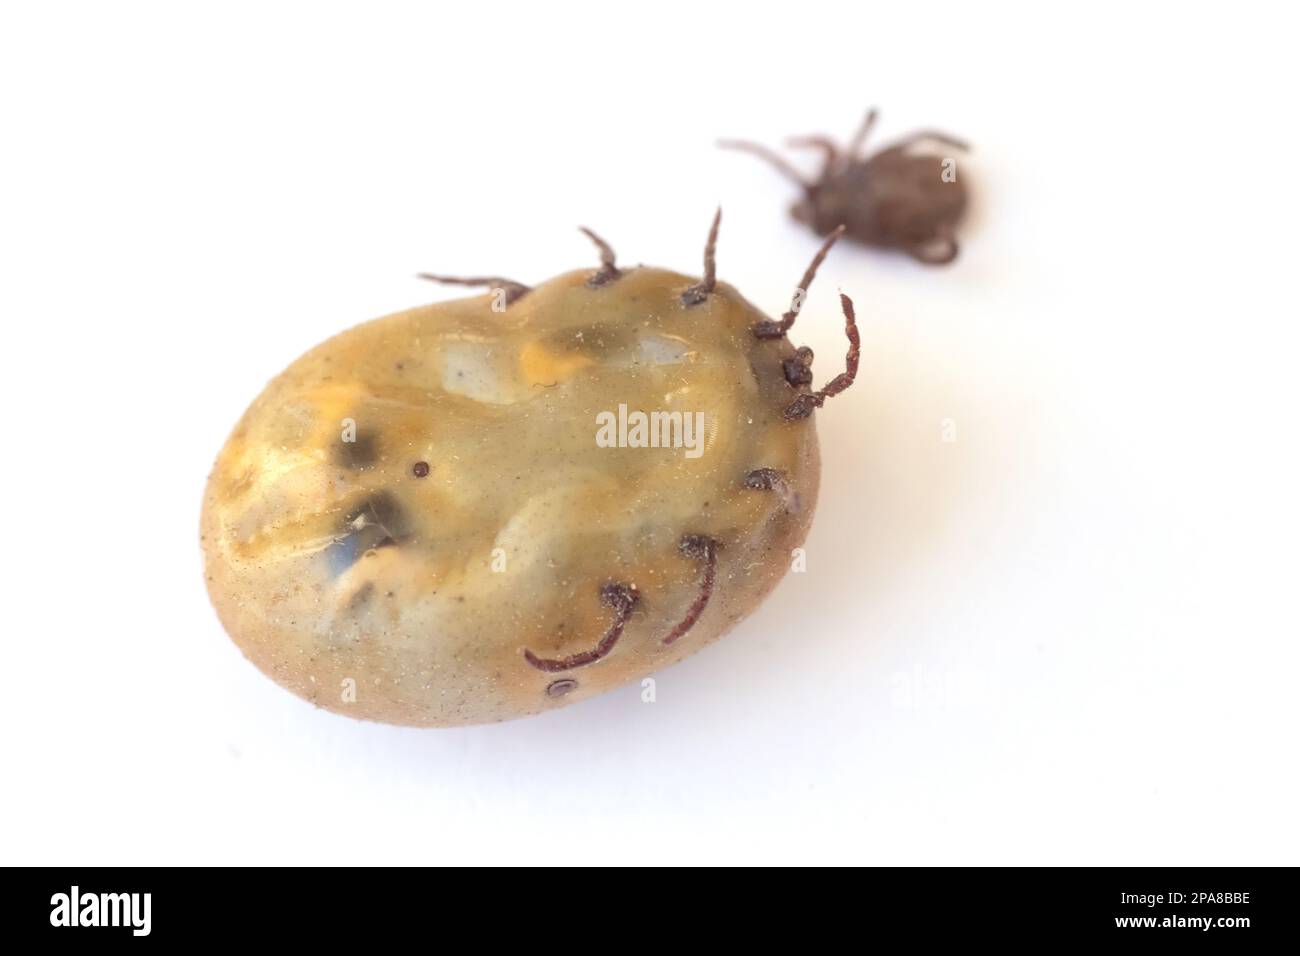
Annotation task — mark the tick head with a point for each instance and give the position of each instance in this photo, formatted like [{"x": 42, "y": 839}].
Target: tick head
[
  {"x": 804, "y": 211},
  {"x": 821, "y": 210}
]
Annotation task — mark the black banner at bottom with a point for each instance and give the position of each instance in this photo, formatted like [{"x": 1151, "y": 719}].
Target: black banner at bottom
[{"x": 327, "y": 906}]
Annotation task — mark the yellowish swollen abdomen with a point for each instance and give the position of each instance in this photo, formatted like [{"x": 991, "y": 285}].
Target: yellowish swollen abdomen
[{"x": 418, "y": 511}]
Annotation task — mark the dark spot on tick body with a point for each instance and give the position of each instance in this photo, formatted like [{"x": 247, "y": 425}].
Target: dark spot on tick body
[
  {"x": 378, "y": 521},
  {"x": 358, "y": 454},
  {"x": 420, "y": 469},
  {"x": 383, "y": 511},
  {"x": 360, "y": 596},
  {"x": 558, "y": 688}
]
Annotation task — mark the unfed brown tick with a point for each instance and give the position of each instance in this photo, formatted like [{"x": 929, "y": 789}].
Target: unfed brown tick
[
  {"x": 420, "y": 522},
  {"x": 901, "y": 197}
]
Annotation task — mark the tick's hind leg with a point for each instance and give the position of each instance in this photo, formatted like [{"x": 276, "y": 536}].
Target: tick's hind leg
[{"x": 936, "y": 251}]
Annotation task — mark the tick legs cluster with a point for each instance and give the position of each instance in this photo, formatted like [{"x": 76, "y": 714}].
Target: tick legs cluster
[{"x": 798, "y": 370}]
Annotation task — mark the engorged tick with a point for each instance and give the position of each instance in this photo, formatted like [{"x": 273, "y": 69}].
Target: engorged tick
[
  {"x": 542, "y": 556},
  {"x": 899, "y": 197}
]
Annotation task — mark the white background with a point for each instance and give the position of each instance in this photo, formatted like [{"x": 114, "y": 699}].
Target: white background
[{"x": 1070, "y": 636}]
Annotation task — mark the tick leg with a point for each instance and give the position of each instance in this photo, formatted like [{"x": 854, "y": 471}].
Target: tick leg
[
  {"x": 761, "y": 151},
  {"x": 767, "y": 329},
  {"x": 608, "y": 270},
  {"x": 860, "y": 137},
  {"x": 830, "y": 152},
  {"x": 513, "y": 290},
  {"x": 622, "y": 599},
  {"x": 704, "y": 288},
  {"x": 938, "y": 251},
  {"x": 803, "y": 406},
  {"x": 705, "y": 549}
]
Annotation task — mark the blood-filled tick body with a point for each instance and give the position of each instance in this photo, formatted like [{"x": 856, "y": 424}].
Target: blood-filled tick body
[{"x": 486, "y": 508}]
